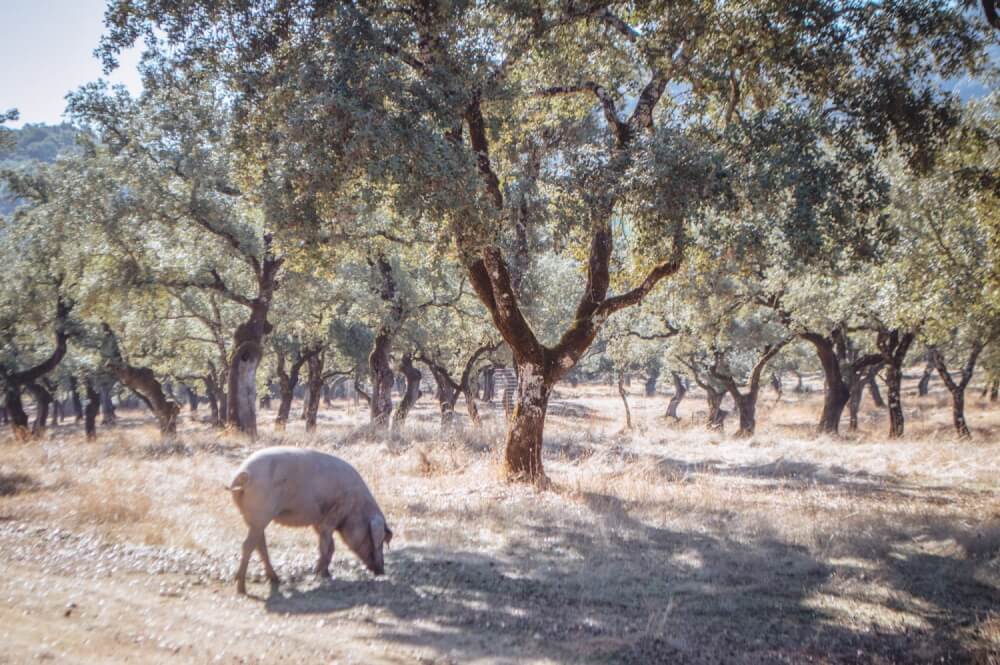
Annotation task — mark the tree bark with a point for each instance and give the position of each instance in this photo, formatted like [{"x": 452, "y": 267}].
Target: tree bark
[
  {"x": 857, "y": 393},
  {"x": 874, "y": 391},
  {"x": 91, "y": 409},
  {"x": 18, "y": 417},
  {"x": 746, "y": 403},
  {"x": 923, "y": 386},
  {"x": 488, "y": 385},
  {"x": 652, "y": 376},
  {"x": 287, "y": 381},
  {"x": 837, "y": 379},
  {"x": 624, "y": 396},
  {"x": 410, "y": 396},
  {"x": 108, "y": 416},
  {"x": 893, "y": 346},
  {"x": 248, "y": 347},
  {"x": 523, "y": 449},
  {"x": 716, "y": 414},
  {"x": 957, "y": 388},
  {"x": 74, "y": 393},
  {"x": 192, "y": 399},
  {"x": 143, "y": 382},
  {"x": 315, "y": 389},
  {"x": 680, "y": 389},
  {"x": 380, "y": 368},
  {"x": 43, "y": 400}
]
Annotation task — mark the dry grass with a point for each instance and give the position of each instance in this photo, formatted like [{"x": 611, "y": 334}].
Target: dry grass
[{"x": 663, "y": 544}]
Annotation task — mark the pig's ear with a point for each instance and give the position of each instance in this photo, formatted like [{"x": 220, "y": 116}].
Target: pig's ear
[{"x": 378, "y": 531}]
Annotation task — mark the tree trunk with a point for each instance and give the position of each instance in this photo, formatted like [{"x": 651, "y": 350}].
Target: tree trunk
[
  {"x": 893, "y": 345},
  {"x": 382, "y": 381},
  {"x": 74, "y": 393},
  {"x": 957, "y": 389},
  {"x": 213, "y": 405},
  {"x": 287, "y": 381},
  {"x": 716, "y": 414},
  {"x": 652, "y": 377},
  {"x": 836, "y": 392},
  {"x": 43, "y": 400},
  {"x": 143, "y": 382},
  {"x": 799, "y": 387},
  {"x": 523, "y": 449},
  {"x": 314, "y": 364},
  {"x": 410, "y": 396},
  {"x": 874, "y": 391},
  {"x": 446, "y": 396},
  {"x": 91, "y": 409},
  {"x": 995, "y": 390},
  {"x": 470, "y": 406},
  {"x": 680, "y": 389},
  {"x": 488, "y": 385},
  {"x": 925, "y": 379},
  {"x": 746, "y": 405},
  {"x": 18, "y": 418},
  {"x": 107, "y": 406},
  {"x": 192, "y": 400},
  {"x": 624, "y": 396}
]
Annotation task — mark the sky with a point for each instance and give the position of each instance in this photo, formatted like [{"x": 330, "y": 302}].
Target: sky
[{"x": 46, "y": 50}]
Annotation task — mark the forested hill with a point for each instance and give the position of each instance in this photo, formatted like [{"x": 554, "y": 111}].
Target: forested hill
[{"x": 32, "y": 144}]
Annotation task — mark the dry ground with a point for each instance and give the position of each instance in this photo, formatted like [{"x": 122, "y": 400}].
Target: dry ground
[{"x": 666, "y": 544}]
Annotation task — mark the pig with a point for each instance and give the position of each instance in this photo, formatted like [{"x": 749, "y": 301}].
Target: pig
[{"x": 300, "y": 487}]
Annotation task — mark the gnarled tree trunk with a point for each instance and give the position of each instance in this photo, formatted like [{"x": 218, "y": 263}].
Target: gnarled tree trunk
[
  {"x": 680, "y": 389},
  {"x": 74, "y": 393},
  {"x": 287, "y": 381},
  {"x": 923, "y": 387},
  {"x": 108, "y": 416},
  {"x": 412, "y": 394},
  {"x": 652, "y": 376},
  {"x": 893, "y": 345},
  {"x": 143, "y": 382},
  {"x": 523, "y": 450}
]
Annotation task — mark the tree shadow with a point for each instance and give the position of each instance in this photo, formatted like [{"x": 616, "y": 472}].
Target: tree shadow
[{"x": 620, "y": 590}]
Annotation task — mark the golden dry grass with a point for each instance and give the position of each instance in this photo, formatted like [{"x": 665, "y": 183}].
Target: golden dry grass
[{"x": 666, "y": 543}]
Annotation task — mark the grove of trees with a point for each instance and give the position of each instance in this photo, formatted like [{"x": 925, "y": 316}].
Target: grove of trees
[{"x": 319, "y": 195}]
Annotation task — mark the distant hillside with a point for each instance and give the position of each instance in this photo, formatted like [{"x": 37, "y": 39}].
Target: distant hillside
[{"x": 34, "y": 144}]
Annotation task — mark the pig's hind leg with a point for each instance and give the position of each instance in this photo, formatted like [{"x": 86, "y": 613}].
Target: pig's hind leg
[{"x": 325, "y": 549}]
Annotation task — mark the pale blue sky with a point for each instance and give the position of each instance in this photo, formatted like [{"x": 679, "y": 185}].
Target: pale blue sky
[{"x": 46, "y": 50}]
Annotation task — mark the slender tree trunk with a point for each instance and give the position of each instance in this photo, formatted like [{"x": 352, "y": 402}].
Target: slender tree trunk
[
  {"x": 624, "y": 396},
  {"x": 192, "y": 400},
  {"x": 213, "y": 405},
  {"x": 382, "y": 381},
  {"x": 799, "y": 386},
  {"x": 488, "y": 384},
  {"x": 43, "y": 400},
  {"x": 874, "y": 391},
  {"x": 74, "y": 393},
  {"x": 680, "y": 389},
  {"x": 91, "y": 409},
  {"x": 410, "y": 396},
  {"x": 523, "y": 449},
  {"x": 18, "y": 417},
  {"x": 995, "y": 390},
  {"x": 925, "y": 379},
  {"x": 470, "y": 406},
  {"x": 314, "y": 364}
]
